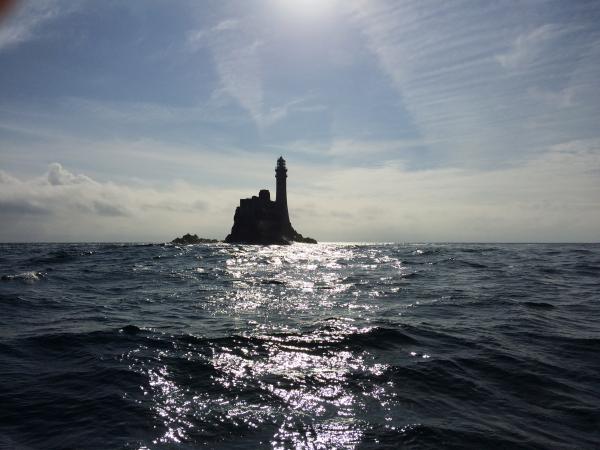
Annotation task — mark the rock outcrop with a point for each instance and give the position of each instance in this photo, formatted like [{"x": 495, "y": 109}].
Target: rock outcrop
[
  {"x": 259, "y": 220},
  {"x": 187, "y": 239}
]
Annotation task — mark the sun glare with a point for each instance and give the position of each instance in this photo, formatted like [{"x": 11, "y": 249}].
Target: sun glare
[{"x": 306, "y": 9}]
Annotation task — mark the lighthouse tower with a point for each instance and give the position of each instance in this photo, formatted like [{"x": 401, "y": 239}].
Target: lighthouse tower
[{"x": 281, "y": 193}]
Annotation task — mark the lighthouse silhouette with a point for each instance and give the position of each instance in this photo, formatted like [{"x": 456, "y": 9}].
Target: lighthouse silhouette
[
  {"x": 259, "y": 220},
  {"x": 281, "y": 193}
]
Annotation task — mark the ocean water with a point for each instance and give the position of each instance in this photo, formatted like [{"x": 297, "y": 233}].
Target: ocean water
[{"x": 109, "y": 346}]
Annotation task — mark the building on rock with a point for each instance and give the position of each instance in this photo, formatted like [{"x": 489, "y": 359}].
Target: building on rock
[{"x": 260, "y": 220}]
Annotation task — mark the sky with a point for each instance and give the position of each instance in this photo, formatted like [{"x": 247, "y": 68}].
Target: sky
[{"x": 401, "y": 121}]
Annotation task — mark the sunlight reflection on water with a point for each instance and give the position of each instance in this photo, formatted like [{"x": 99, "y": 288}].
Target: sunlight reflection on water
[
  {"x": 305, "y": 387},
  {"x": 280, "y": 371},
  {"x": 314, "y": 347}
]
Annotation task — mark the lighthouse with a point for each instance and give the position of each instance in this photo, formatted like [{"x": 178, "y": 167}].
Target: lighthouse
[
  {"x": 281, "y": 192},
  {"x": 260, "y": 220}
]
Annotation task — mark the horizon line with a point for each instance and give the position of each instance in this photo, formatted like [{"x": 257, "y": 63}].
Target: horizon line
[{"x": 220, "y": 241}]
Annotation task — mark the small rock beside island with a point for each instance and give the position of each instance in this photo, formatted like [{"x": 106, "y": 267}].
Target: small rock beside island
[{"x": 188, "y": 239}]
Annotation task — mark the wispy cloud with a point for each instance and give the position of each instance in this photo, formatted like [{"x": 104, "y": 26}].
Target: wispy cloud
[
  {"x": 227, "y": 24},
  {"x": 449, "y": 64},
  {"x": 28, "y": 18},
  {"x": 237, "y": 60},
  {"x": 347, "y": 151},
  {"x": 143, "y": 112},
  {"x": 532, "y": 47},
  {"x": 236, "y": 47}
]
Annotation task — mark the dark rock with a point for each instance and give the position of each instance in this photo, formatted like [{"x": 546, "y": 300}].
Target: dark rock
[
  {"x": 259, "y": 220},
  {"x": 305, "y": 240},
  {"x": 187, "y": 239}
]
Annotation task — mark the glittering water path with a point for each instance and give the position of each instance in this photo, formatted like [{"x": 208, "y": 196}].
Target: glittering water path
[{"x": 307, "y": 346}]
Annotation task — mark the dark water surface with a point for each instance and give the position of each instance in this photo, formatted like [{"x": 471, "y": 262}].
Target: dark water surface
[{"x": 309, "y": 347}]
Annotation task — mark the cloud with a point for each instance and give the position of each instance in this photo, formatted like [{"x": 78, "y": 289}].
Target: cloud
[
  {"x": 529, "y": 48},
  {"x": 238, "y": 66},
  {"x": 362, "y": 152},
  {"x": 227, "y": 24},
  {"x": 58, "y": 176},
  {"x": 6, "y": 178},
  {"x": 22, "y": 207},
  {"x": 61, "y": 205},
  {"x": 236, "y": 49},
  {"x": 237, "y": 60},
  {"x": 61, "y": 192},
  {"x": 104, "y": 208},
  {"x": 29, "y": 18},
  {"x": 563, "y": 98},
  {"x": 553, "y": 197},
  {"x": 435, "y": 62},
  {"x": 445, "y": 62},
  {"x": 379, "y": 151}
]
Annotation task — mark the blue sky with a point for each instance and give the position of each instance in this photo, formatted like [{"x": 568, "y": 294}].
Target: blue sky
[{"x": 400, "y": 120}]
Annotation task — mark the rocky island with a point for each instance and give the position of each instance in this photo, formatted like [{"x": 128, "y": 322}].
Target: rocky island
[
  {"x": 188, "y": 239},
  {"x": 260, "y": 220}
]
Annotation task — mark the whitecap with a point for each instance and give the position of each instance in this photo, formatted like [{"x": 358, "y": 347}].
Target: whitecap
[{"x": 27, "y": 277}]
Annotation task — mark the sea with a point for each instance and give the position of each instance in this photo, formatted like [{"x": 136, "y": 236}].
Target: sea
[{"x": 327, "y": 346}]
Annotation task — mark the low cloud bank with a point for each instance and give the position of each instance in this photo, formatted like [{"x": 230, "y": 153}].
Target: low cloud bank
[
  {"x": 65, "y": 206},
  {"x": 552, "y": 198}
]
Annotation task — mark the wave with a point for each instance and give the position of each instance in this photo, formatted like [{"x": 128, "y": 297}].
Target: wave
[
  {"x": 587, "y": 269},
  {"x": 379, "y": 338},
  {"x": 26, "y": 277},
  {"x": 55, "y": 257},
  {"x": 538, "y": 305},
  {"x": 432, "y": 437},
  {"x": 457, "y": 346}
]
